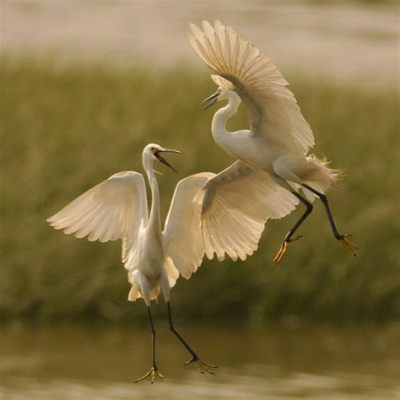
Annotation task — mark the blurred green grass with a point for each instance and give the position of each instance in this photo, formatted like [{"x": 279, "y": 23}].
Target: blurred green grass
[{"x": 65, "y": 128}]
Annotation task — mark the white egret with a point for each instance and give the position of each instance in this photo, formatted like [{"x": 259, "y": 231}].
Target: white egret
[
  {"x": 272, "y": 162},
  {"x": 117, "y": 209}
]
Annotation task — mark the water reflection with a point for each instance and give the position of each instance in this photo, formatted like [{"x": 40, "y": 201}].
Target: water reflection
[{"x": 102, "y": 363}]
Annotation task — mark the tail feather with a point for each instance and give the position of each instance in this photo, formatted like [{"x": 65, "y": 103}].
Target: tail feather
[
  {"x": 314, "y": 172},
  {"x": 320, "y": 176}
]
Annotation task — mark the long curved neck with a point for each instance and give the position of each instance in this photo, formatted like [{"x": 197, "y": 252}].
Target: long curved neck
[
  {"x": 218, "y": 126},
  {"x": 154, "y": 219}
]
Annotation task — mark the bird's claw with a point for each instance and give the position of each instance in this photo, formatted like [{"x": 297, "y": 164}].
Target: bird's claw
[
  {"x": 282, "y": 250},
  {"x": 154, "y": 373},
  {"x": 345, "y": 240},
  {"x": 201, "y": 366}
]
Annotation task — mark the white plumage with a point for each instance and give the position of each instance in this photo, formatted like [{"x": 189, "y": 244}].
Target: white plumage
[
  {"x": 113, "y": 209},
  {"x": 117, "y": 209},
  {"x": 182, "y": 235},
  {"x": 272, "y": 155},
  {"x": 236, "y": 204},
  {"x": 271, "y": 106}
]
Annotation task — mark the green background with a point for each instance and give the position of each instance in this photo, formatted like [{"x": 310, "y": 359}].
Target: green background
[{"x": 66, "y": 128}]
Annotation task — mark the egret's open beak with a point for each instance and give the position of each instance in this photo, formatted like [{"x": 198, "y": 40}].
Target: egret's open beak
[
  {"x": 163, "y": 160},
  {"x": 209, "y": 101}
]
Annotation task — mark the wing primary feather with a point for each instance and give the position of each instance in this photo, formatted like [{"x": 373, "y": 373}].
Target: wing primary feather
[
  {"x": 270, "y": 104},
  {"x": 113, "y": 209}
]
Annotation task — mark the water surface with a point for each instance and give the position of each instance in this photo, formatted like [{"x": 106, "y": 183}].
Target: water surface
[{"x": 98, "y": 363}]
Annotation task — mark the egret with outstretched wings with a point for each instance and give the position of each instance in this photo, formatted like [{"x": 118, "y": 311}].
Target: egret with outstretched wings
[
  {"x": 154, "y": 258},
  {"x": 272, "y": 156}
]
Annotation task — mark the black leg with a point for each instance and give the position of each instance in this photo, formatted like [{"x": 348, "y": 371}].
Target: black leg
[
  {"x": 289, "y": 236},
  {"x": 153, "y": 339},
  {"x": 309, "y": 208},
  {"x": 176, "y": 333},
  {"x": 345, "y": 239},
  {"x": 153, "y": 372},
  {"x": 325, "y": 202},
  {"x": 201, "y": 365}
]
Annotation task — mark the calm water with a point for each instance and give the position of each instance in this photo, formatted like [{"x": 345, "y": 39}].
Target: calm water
[{"x": 276, "y": 364}]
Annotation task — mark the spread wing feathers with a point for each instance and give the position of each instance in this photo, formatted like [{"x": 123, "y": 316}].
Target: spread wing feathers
[
  {"x": 182, "y": 236},
  {"x": 235, "y": 206},
  {"x": 113, "y": 209},
  {"x": 270, "y": 105}
]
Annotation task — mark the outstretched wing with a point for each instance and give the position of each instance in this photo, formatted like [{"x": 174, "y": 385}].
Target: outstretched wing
[
  {"x": 113, "y": 209},
  {"x": 182, "y": 236},
  {"x": 236, "y": 204},
  {"x": 270, "y": 105}
]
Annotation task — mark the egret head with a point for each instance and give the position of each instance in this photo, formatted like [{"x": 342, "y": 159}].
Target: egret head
[
  {"x": 153, "y": 152},
  {"x": 210, "y": 100},
  {"x": 225, "y": 91}
]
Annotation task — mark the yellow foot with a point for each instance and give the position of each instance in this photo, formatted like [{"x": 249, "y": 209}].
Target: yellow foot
[
  {"x": 282, "y": 250},
  {"x": 152, "y": 374},
  {"x": 345, "y": 240},
  {"x": 201, "y": 366}
]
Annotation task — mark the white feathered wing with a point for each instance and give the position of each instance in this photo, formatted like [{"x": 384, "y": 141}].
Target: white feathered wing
[
  {"x": 270, "y": 105},
  {"x": 183, "y": 245},
  {"x": 113, "y": 209},
  {"x": 236, "y": 203}
]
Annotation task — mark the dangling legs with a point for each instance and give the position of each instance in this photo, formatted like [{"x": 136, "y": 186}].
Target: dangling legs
[
  {"x": 153, "y": 372},
  {"x": 344, "y": 239},
  {"x": 289, "y": 237},
  {"x": 202, "y": 367}
]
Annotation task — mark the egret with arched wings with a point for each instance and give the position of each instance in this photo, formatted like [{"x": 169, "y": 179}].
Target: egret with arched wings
[
  {"x": 117, "y": 209},
  {"x": 272, "y": 162}
]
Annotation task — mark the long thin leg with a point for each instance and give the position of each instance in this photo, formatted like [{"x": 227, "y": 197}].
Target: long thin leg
[
  {"x": 345, "y": 239},
  {"x": 289, "y": 237},
  {"x": 153, "y": 372},
  {"x": 201, "y": 365}
]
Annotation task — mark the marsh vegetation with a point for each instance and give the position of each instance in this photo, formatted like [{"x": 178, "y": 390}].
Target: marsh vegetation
[{"x": 65, "y": 128}]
